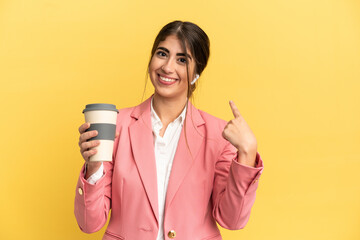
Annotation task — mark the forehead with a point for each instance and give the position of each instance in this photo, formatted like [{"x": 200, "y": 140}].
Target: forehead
[{"x": 173, "y": 44}]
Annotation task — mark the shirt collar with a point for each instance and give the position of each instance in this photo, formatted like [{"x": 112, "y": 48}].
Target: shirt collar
[{"x": 155, "y": 120}]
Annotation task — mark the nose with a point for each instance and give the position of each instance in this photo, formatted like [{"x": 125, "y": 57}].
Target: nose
[{"x": 168, "y": 66}]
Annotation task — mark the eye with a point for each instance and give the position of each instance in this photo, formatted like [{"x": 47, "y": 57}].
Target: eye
[
  {"x": 183, "y": 60},
  {"x": 161, "y": 54}
]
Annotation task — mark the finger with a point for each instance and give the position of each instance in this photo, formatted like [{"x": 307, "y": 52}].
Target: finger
[
  {"x": 83, "y": 127},
  {"x": 87, "y": 135},
  {"x": 234, "y": 109},
  {"x": 86, "y": 145},
  {"x": 117, "y": 134},
  {"x": 88, "y": 154}
]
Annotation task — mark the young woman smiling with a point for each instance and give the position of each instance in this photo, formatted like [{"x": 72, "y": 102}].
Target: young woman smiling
[{"x": 176, "y": 170}]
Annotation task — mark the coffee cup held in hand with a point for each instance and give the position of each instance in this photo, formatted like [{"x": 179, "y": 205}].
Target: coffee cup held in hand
[{"x": 102, "y": 117}]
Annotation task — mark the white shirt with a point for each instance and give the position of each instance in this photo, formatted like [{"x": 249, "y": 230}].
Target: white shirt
[{"x": 164, "y": 148}]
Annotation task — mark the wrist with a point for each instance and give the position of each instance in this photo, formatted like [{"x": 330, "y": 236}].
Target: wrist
[
  {"x": 246, "y": 158},
  {"x": 91, "y": 168}
]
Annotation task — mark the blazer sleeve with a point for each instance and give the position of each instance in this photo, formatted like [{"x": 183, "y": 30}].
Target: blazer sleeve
[
  {"x": 93, "y": 201},
  {"x": 234, "y": 188}
]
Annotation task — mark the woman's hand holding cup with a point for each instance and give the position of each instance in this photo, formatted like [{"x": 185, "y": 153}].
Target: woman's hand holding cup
[
  {"x": 86, "y": 148},
  {"x": 99, "y": 127}
]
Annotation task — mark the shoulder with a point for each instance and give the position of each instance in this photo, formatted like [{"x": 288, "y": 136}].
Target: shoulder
[
  {"x": 214, "y": 129},
  {"x": 125, "y": 111},
  {"x": 124, "y": 115},
  {"x": 214, "y": 126},
  {"x": 211, "y": 120}
]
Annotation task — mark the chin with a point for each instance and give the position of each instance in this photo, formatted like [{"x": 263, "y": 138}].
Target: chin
[{"x": 165, "y": 94}]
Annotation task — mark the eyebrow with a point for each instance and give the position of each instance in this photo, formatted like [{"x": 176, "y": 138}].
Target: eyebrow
[{"x": 178, "y": 54}]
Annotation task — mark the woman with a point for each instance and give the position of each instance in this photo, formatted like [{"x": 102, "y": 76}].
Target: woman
[{"x": 176, "y": 170}]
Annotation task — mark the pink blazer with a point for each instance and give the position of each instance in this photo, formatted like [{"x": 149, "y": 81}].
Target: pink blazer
[{"x": 206, "y": 185}]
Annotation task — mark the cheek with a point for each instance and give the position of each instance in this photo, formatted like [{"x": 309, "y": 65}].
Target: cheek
[
  {"x": 152, "y": 64},
  {"x": 184, "y": 74},
  {"x": 152, "y": 70},
  {"x": 184, "y": 82}
]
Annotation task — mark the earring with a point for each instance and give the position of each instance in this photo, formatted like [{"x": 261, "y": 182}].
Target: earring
[{"x": 196, "y": 78}]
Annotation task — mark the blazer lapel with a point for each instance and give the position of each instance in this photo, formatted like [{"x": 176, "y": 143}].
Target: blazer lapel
[
  {"x": 141, "y": 138},
  {"x": 183, "y": 157}
]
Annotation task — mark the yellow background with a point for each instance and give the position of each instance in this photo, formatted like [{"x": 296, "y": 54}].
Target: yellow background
[{"x": 292, "y": 68}]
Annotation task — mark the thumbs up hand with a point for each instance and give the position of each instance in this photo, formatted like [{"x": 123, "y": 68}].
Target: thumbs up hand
[{"x": 239, "y": 134}]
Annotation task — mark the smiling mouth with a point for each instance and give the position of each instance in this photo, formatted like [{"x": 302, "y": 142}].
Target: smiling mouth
[{"x": 166, "y": 79}]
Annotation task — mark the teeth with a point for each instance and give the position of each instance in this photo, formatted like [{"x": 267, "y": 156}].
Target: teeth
[{"x": 167, "y": 79}]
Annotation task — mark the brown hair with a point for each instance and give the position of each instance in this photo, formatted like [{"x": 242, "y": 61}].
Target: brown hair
[{"x": 190, "y": 35}]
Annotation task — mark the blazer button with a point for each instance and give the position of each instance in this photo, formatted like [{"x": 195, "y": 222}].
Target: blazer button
[
  {"x": 80, "y": 191},
  {"x": 171, "y": 234}
]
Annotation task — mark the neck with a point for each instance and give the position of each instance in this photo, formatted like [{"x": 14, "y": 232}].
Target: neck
[{"x": 168, "y": 109}]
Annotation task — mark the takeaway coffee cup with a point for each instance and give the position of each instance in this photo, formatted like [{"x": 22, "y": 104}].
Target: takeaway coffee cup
[{"x": 102, "y": 117}]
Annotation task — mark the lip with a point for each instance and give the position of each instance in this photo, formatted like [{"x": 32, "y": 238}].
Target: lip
[{"x": 165, "y": 83}]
